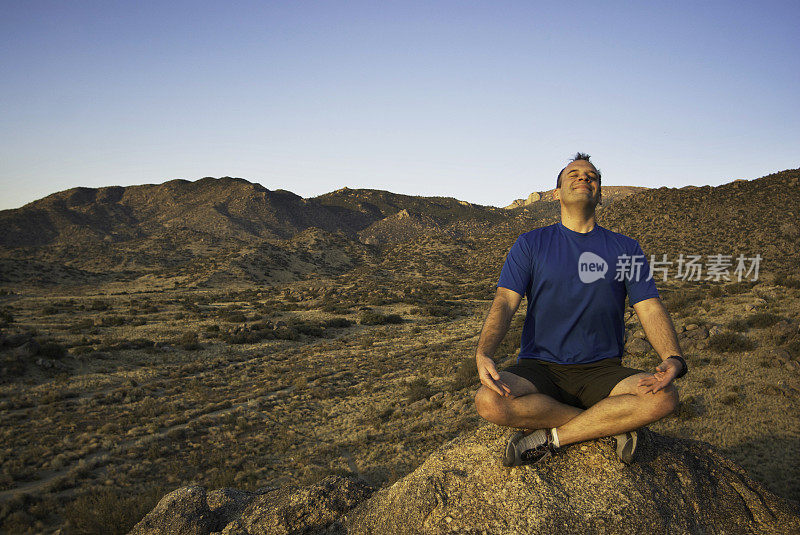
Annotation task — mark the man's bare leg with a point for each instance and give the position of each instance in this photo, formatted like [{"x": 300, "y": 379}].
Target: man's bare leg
[
  {"x": 526, "y": 408},
  {"x": 625, "y": 409}
]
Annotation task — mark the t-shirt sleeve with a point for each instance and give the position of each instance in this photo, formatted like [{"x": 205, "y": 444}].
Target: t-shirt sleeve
[
  {"x": 516, "y": 273},
  {"x": 641, "y": 287}
]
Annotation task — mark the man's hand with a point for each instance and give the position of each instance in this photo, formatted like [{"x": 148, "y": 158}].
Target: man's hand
[
  {"x": 489, "y": 376},
  {"x": 665, "y": 373}
]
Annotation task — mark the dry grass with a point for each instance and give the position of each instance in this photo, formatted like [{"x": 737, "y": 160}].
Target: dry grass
[{"x": 176, "y": 394}]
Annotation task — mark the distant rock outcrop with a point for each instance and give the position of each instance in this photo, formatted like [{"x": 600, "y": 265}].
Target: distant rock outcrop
[
  {"x": 532, "y": 198},
  {"x": 673, "y": 486}
]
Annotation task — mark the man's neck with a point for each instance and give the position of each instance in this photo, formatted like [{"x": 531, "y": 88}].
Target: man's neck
[{"x": 578, "y": 220}]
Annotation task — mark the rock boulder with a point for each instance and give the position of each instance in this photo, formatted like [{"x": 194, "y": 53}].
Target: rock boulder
[
  {"x": 673, "y": 486},
  {"x": 311, "y": 509}
]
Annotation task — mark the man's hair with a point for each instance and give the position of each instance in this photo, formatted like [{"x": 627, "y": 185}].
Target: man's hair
[{"x": 578, "y": 156}]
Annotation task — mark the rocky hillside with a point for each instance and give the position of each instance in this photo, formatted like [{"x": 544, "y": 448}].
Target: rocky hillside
[
  {"x": 222, "y": 229},
  {"x": 211, "y": 210},
  {"x": 742, "y": 217},
  {"x": 232, "y": 230},
  {"x": 208, "y": 209},
  {"x": 683, "y": 486}
]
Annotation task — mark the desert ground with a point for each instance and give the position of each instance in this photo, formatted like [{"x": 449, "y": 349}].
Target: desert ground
[{"x": 112, "y": 395}]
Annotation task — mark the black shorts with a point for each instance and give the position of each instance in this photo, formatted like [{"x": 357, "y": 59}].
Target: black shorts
[{"x": 579, "y": 385}]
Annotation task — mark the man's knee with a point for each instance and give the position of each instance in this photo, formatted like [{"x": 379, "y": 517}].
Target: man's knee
[
  {"x": 662, "y": 403},
  {"x": 490, "y": 405}
]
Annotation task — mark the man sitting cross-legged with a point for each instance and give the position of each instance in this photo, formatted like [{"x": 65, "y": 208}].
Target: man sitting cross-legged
[{"x": 568, "y": 384}]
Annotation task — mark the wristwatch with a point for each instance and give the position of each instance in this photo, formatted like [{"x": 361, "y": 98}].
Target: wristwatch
[{"x": 684, "y": 369}]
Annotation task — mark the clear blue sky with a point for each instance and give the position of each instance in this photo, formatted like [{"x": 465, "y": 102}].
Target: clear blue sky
[{"x": 483, "y": 101}]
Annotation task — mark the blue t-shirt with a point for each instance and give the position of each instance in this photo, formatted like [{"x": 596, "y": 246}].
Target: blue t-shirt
[{"x": 576, "y": 285}]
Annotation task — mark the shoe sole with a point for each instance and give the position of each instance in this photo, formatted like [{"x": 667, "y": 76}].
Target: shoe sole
[
  {"x": 626, "y": 446},
  {"x": 544, "y": 455},
  {"x": 510, "y": 458}
]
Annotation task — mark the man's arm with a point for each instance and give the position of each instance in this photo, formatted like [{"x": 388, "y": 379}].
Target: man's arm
[
  {"x": 660, "y": 332},
  {"x": 505, "y": 304}
]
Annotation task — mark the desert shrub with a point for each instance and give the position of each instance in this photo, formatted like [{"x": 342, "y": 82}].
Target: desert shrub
[
  {"x": 368, "y": 317},
  {"x": 443, "y": 308},
  {"x": 98, "y": 304},
  {"x": 138, "y": 322},
  {"x": 111, "y": 511},
  {"x": 689, "y": 320},
  {"x": 418, "y": 389},
  {"x": 336, "y": 308},
  {"x": 81, "y": 325},
  {"x": 188, "y": 341},
  {"x": 17, "y": 521},
  {"x": 191, "y": 307},
  {"x": 729, "y": 342},
  {"x": 256, "y": 333},
  {"x": 338, "y": 323},
  {"x": 113, "y": 321},
  {"x": 787, "y": 281},
  {"x": 689, "y": 407},
  {"x": 761, "y": 320},
  {"x": 708, "y": 382},
  {"x": 12, "y": 366},
  {"x": 6, "y": 317},
  {"x": 378, "y": 300},
  {"x": 715, "y": 291},
  {"x": 731, "y": 398},
  {"x": 683, "y": 300},
  {"x": 466, "y": 374},
  {"x": 285, "y": 333},
  {"x": 309, "y": 328},
  {"x": 212, "y": 328},
  {"x": 437, "y": 311},
  {"x": 793, "y": 348},
  {"x": 136, "y": 343},
  {"x": 739, "y": 287},
  {"x": 52, "y": 350},
  {"x": 149, "y": 407},
  {"x": 50, "y": 310},
  {"x": 386, "y": 413},
  {"x": 233, "y": 317},
  {"x": 738, "y": 325}
]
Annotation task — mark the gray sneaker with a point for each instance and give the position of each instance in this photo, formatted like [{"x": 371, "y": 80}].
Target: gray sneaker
[
  {"x": 626, "y": 446},
  {"x": 532, "y": 448}
]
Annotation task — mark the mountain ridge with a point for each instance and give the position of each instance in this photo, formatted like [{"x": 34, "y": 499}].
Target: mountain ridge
[{"x": 158, "y": 228}]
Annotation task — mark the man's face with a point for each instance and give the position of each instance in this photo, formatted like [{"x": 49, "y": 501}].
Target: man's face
[{"x": 580, "y": 183}]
